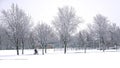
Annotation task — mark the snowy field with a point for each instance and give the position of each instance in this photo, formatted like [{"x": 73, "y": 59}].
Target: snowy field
[{"x": 56, "y": 59}]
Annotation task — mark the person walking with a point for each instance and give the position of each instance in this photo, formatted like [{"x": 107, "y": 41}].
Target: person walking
[{"x": 35, "y": 51}]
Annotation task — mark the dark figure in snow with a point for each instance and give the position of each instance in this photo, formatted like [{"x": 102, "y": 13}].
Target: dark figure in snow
[{"x": 35, "y": 51}]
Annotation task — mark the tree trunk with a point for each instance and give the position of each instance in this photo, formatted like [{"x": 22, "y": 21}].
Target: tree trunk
[
  {"x": 103, "y": 50},
  {"x": 116, "y": 47},
  {"x": 42, "y": 49},
  {"x": 104, "y": 46},
  {"x": 45, "y": 48},
  {"x": 85, "y": 48},
  {"x": 17, "y": 47},
  {"x": 23, "y": 50},
  {"x": 22, "y": 47},
  {"x": 65, "y": 47}
]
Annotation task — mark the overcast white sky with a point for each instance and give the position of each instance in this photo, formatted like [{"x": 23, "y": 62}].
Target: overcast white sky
[{"x": 45, "y": 10}]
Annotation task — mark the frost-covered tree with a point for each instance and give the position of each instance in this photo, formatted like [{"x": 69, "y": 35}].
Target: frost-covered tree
[
  {"x": 84, "y": 39},
  {"x": 43, "y": 34},
  {"x": 65, "y": 23},
  {"x": 101, "y": 30},
  {"x": 25, "y": 30},
  {"x": 114, "y": 32},
  {"x": 4, "y": 42},
  {"x": 17, "y": 24},
  {"x": 32, "y": 39}
]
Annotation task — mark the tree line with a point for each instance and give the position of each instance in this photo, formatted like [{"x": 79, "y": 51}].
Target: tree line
[{"x": 17, "y": 31}]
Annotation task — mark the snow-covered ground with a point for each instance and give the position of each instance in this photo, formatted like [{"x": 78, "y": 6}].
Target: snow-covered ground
[{"x": 56, "y": 59}]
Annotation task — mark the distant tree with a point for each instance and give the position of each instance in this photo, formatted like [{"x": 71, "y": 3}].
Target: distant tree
[
  {"x": 65, "y": 23},
  {"x": 17, "y": 23},
  {"x": 101, "y": 30},
  {"x": 91, "y": 35},
  {"x": 84, "y": 39},
  {"x": 114, "y": 31},
  {"x": 32, "y": 39},
  {"x": 4, "y": 42},
  {"x": 44, "y": 33},
  {"x": 81, "y": 39}
]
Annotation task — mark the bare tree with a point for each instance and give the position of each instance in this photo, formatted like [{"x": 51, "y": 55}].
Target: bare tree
[
  {"x": 65, "y": 23},
  {"x": 44, "y": 33},
  {"x": 17, "y": 25}
]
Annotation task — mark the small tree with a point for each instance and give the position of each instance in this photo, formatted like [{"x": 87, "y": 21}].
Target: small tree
[
  {"x": 84, "y": 39},
  {"x": 44, "y": 33},
  {"x": 65, "y": 23}
]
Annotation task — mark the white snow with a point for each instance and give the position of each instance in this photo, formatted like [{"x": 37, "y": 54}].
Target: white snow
[{"x": 56, "y": 59}]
